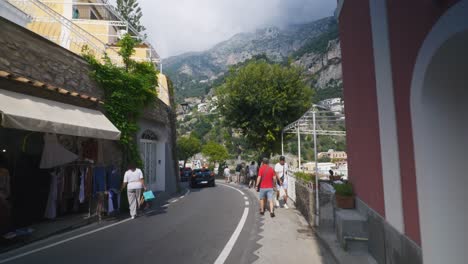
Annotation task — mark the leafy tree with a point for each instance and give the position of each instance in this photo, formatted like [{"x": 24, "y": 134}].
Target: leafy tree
[
  {"x": 215, "y": 152},
  {"x": 187, "y": 147},
  {"x": 131, "y": 11},
  {"x": 260, "y": 98}
]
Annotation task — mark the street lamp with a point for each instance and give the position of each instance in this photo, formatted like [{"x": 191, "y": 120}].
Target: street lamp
[{"x": 317, "y": 203}]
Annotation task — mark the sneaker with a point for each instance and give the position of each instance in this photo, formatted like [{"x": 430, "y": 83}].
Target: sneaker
[
  {"x": 286, "y": 206},
  {"x": 277, "y": 203},
  {"x": 133, "y": 217}
]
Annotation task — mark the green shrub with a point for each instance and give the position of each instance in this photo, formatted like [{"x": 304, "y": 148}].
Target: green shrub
[
  {"x": 345, "y": 189},
  {"x": 308, "y": 177}
]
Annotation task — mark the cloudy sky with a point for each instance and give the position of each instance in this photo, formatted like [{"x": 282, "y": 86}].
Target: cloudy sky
[{"x": 177, "y": 26}]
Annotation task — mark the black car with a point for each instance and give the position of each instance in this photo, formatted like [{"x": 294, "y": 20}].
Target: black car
[
  {"x": 185, "y": 174},
  {"x": 202, "y": 177}
]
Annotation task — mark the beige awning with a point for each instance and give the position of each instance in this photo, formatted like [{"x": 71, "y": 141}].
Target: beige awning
[{"x": 31, "y": 113}]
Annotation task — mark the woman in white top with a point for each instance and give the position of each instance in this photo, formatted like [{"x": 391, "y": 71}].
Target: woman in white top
[{"x": 134, "y": 181}]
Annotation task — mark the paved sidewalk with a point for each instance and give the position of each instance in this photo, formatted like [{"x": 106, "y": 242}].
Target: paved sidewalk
[{"x": 287, "y": 238}]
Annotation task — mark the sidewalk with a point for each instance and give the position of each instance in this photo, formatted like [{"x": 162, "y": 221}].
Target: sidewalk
[
  {"x": 287, "y": 238},
  {"x": 61, "y": 225}
]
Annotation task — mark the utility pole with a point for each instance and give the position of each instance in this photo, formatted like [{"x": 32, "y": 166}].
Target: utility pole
[
  {"x": 282, "y": 143},
  {"x": 317, "y": 204},
  {"x": 299, "y": 146}
]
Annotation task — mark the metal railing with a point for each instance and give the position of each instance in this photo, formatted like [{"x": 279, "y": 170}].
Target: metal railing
[
  {"x": 109, "y": 16},
  {"x": 67, "y": 34},
  {"x": 291, "y": 186}
]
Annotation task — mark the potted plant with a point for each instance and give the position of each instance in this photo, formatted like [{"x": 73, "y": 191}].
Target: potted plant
[{"x": 344, "y": 195}]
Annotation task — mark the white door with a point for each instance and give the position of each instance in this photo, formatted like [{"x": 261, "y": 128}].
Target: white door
[{"x": 148, "y": 151}]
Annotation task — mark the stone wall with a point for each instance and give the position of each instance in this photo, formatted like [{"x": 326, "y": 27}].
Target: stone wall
[
  {"x": 27, "y": 54},
  {"x": 157, "y": 111},
  {"x": 305, "y": 201},
  {"x": 386, "y": 244}
]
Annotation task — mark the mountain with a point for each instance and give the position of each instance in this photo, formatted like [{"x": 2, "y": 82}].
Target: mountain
[{"x": 313, "y": 46}]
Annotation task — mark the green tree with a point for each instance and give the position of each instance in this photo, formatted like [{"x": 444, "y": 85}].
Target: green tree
[
  {"x": 131, "y": 11},
  {"x": 187, "y": 147},
  {"x": 215, "y": 152},
  {"x": 260, "y": 99}
]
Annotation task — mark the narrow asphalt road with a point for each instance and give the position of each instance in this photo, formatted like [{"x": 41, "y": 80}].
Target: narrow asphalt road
[{"x": 198, "y": 228}]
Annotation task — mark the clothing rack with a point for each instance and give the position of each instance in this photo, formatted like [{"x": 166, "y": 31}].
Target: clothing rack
[{"x": 88, "y": 164}]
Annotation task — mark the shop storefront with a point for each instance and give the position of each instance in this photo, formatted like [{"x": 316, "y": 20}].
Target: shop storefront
[{"x": 56, "y": 159}]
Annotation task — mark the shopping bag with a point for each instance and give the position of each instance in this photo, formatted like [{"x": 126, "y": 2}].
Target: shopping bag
[
  {"x": 282, "y": 192},
  {"x": 149, "y": 195}
]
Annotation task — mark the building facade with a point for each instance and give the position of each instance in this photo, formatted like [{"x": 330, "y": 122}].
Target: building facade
[
  {"x": 404, "y": 74},
  {"x": 93, "y": 25}
]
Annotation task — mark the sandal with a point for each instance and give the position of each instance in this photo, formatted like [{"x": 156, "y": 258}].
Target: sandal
[
  {"x": 262, "y": 213},
  {"x": 272, "y": 214}
]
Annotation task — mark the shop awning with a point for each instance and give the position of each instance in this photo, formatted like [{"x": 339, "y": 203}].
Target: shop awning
[{"x": 31, "y": 113}]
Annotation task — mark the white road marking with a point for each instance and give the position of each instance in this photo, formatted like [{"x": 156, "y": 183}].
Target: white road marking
[
  {"x": 61, "y": 242},
  {"x": 245, "y": 198},
  {"x": 182, "y": 197},
  {"x": 232, "y": 188},
  {"x": 175, "y": 200},
  {"x": 232, "y": 241},
  {"x": 166, "y": 205},
  {"x": 246, "y": 203}
]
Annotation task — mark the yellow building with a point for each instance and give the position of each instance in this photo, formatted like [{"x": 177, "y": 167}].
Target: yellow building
[{"x": 91, "y": 24}]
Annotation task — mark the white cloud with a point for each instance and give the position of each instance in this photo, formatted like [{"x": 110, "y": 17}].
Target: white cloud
[{"x": 177, "y": 26}]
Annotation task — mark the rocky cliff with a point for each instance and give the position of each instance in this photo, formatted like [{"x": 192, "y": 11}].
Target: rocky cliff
[{"x": 313, "y": 46}]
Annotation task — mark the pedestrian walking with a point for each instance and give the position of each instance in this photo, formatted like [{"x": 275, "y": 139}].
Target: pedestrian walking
[
  {"x": 227, "y": 174},
  {"x": 266, "y": 186},
  {"x": 281, "y": 170},
  {"x": 238, "y": 171},
  {"x": 247, "y": 175},
  {"x": 133, "y": 180},
  {"x": 252, "y": 174},
  {"x": 243, "y": 173}
]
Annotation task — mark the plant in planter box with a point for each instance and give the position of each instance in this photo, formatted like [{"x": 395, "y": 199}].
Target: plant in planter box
[
  {"x": 308, "y": 178},
  {"x": 344, "y": 195}
]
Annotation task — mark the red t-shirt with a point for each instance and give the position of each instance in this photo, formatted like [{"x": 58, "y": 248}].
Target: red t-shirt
[{"x": 266, "y": 173}]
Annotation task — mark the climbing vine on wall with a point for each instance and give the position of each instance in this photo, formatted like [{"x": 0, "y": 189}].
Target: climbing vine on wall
[{"x": 127, "y": 90}]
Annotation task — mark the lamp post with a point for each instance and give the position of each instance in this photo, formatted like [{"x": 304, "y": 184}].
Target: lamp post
[{"x": 317, "y": 203}]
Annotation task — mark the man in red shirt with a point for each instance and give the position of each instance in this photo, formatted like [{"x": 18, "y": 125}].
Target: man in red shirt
[{"x": 266, "y": 182}]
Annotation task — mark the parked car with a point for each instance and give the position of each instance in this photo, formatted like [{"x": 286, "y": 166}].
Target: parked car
[
  {"x": 185, "y": 174},
  {"x": 202, "y": 177}
]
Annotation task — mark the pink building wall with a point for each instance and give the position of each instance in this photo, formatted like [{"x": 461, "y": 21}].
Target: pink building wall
[{"x": 365, "y": 168}]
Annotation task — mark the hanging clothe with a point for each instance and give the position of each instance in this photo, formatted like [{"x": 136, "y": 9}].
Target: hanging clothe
[
  {"x": 51, "y": 209},
  {"x": 89, "y": 182},
  {"x": 110, "y": 203},
  {"x": 114, "y": 180},
  {"x": 99, "y": 180},
  {"x": 5, "y": 188},
  {"x": 82, "y": 184},
  {"x": 54, "y": 154}
]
